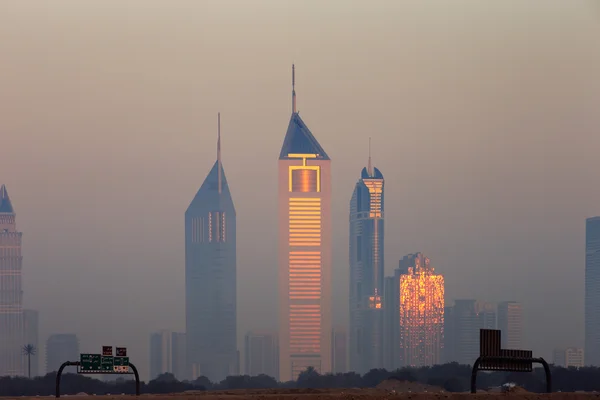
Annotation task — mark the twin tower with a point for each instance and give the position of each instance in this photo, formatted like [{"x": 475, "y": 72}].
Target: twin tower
[{"x": 304, "y": 263}]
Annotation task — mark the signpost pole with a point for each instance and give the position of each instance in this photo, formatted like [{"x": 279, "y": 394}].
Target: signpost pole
[
  {"x": 137, "y": 379},
  {"x": 59, "y": 373}
]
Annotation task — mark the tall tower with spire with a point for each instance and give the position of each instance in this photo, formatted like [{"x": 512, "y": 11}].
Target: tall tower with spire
[
  {"x": 304, "y": 258},
  {"x": 11, "y": 294},
  {"x": 366, "y": 271},
  {"x": 210, "y": 277}
]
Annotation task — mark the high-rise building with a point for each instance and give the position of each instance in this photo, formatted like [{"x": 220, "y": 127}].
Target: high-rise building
[
  {"x": 571, "y": 357},
  {"x": 261, "y": 354},
  {"x": 391, "y": 322},
  {"x": 462, "y": 323},
  {"x": 31, "y": 329},
  {"x": 61, "y": 347},
  {"x": 11, "y": 295},
  {"x": 421, "y": 312},
  {"x": 510, "y": 323},
  {"x": 339, "y": 350},
  {"x": 304, "y": 197},
  {"x": 210, "y": 278},
  {"x": 178, "y": 356},
  {"x": 160, "y": 353},
  {"x": 366, "y": 271},
  {"x": 592, "y": 291}
]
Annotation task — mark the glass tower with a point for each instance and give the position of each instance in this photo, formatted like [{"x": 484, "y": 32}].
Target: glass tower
[
  {"x": 592, "y": 291},
  {"x": 210, "y": 278},
  {"x": 11, "y": 294},
  {"x": 366, "y": 271}
]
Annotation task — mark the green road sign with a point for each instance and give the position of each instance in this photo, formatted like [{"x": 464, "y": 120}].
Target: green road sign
[
  {"x": 90, "y": 363},
  {"x": 121, "y": 361}
]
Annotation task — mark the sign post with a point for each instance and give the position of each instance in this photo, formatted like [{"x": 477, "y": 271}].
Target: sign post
[
  {"x": 494, "y": 358},
  {"x": 102, "y": 363}
]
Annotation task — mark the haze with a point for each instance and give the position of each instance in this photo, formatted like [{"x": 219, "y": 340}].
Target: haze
[{"x": 484, "y": 118}]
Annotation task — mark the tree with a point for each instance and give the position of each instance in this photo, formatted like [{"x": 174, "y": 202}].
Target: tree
[{"x": 29, "y": 350}]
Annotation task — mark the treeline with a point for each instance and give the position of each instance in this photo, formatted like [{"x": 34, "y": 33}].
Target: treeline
[{"x": 451, "y": 377}]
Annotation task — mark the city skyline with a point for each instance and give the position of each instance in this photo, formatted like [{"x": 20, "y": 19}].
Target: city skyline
[{"x": 481, "y": 151}]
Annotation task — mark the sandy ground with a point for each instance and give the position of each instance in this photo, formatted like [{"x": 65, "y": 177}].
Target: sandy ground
[{"x": 349, "y": 394}]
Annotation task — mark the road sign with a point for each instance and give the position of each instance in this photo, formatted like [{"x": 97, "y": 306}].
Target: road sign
[
  {"x": 121, "y": 361},
  {"x": 107, "y": 350},
  {"x": 121, "y": 351},
  {"x": 90, "y": 363}
]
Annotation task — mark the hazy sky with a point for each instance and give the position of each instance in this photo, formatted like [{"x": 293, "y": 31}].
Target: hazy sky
[{"x": 485, "y": 119}]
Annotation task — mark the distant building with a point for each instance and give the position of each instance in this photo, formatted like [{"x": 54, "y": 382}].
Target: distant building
[
  {"x": 592, "y": 291},
  {"x": 61, "y": 347},
  {"x": 462, "y": 323},
  {"x": 11, "y": 293},
  {"x": 160, "y": 353},
  {"x": 210, "y": 278},
  {"x": 569, "y": 357},
  {"x": 421, "y": 312},
  {"x": 261, "y": 354},
  {"x": 31, "y": 327},
  {"x": 339, "y": 350},
  {"x": 304, "y": 215},
  {"x": 510, "y": 323},
  {"x": 391, "y": 322},
  {"x": 366, "y": 271},
  {"x": 178, "y": 356}
]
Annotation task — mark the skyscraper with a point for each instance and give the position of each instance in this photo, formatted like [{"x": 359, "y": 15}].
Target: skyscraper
[
  {"x": 366, "y": 271},
  {"x": 510, "y": 322},
  {"x": 11, "y": 295},
  {"x": 421, "y": 312},
  {"x": 592, "y": 291},
  {"x": 391, "y": 322},
  {"x": 31, "y": 332},
  {"x": 339, "y": 350},
  {"x": 304, "y": 197},
  {"x": 160, "y": 353},
  {"x": 210, "y": 277},
  {"x": 61, "y": 347},
  {"x": 261, "y": 354}
]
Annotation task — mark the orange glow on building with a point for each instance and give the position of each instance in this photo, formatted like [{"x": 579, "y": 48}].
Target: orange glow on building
[{"x": 421, "y": 314}]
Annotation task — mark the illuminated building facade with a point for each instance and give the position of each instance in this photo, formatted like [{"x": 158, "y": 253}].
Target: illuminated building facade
[
  {"x": 366, "y": 271},
  {"x": 11, "y": 294},
  {"x": 592, "y": 291},
  {"x": 304, "y": 197},
  {"x": 210, "y": 278},
  {"x": 421, "y": 312}
]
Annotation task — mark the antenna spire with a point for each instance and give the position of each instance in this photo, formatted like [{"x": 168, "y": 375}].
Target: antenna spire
[
  {"x": 219, "y": 182},
  {"x": 293, "y": 88},
  {"x": 369, "y": 167}
]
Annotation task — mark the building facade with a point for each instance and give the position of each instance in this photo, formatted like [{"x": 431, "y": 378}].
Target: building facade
[
  {"x": 178, "y": 356},
  {"x": 462, "y": 323},
  {"x": 261, "y": 354},
  {"x": 592, "y": 291},
  {"x": 339, "y": 350},
  {"x": 304, "y": 251},
  {"x": 210, "y": 278},
  {"x": 11, "y": 293},
  {"x": 61, "y": 347},
  {"x": 391, "y": 322},
  {"x": 366, "y": 271},
  {"x": 31, "y": 329},
  {"x": 421, "y": 312},
  {"x": 160, "y": 353},
  {"x": 571, "y": 357},
  {"x": 510, "y": 323}
]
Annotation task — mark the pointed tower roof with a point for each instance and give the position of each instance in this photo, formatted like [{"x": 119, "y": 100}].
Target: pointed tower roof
[
  {"x": 214, "y": 192},
  {"x": 298, "y": 138},
  {"x": 5, "y": 204}
]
